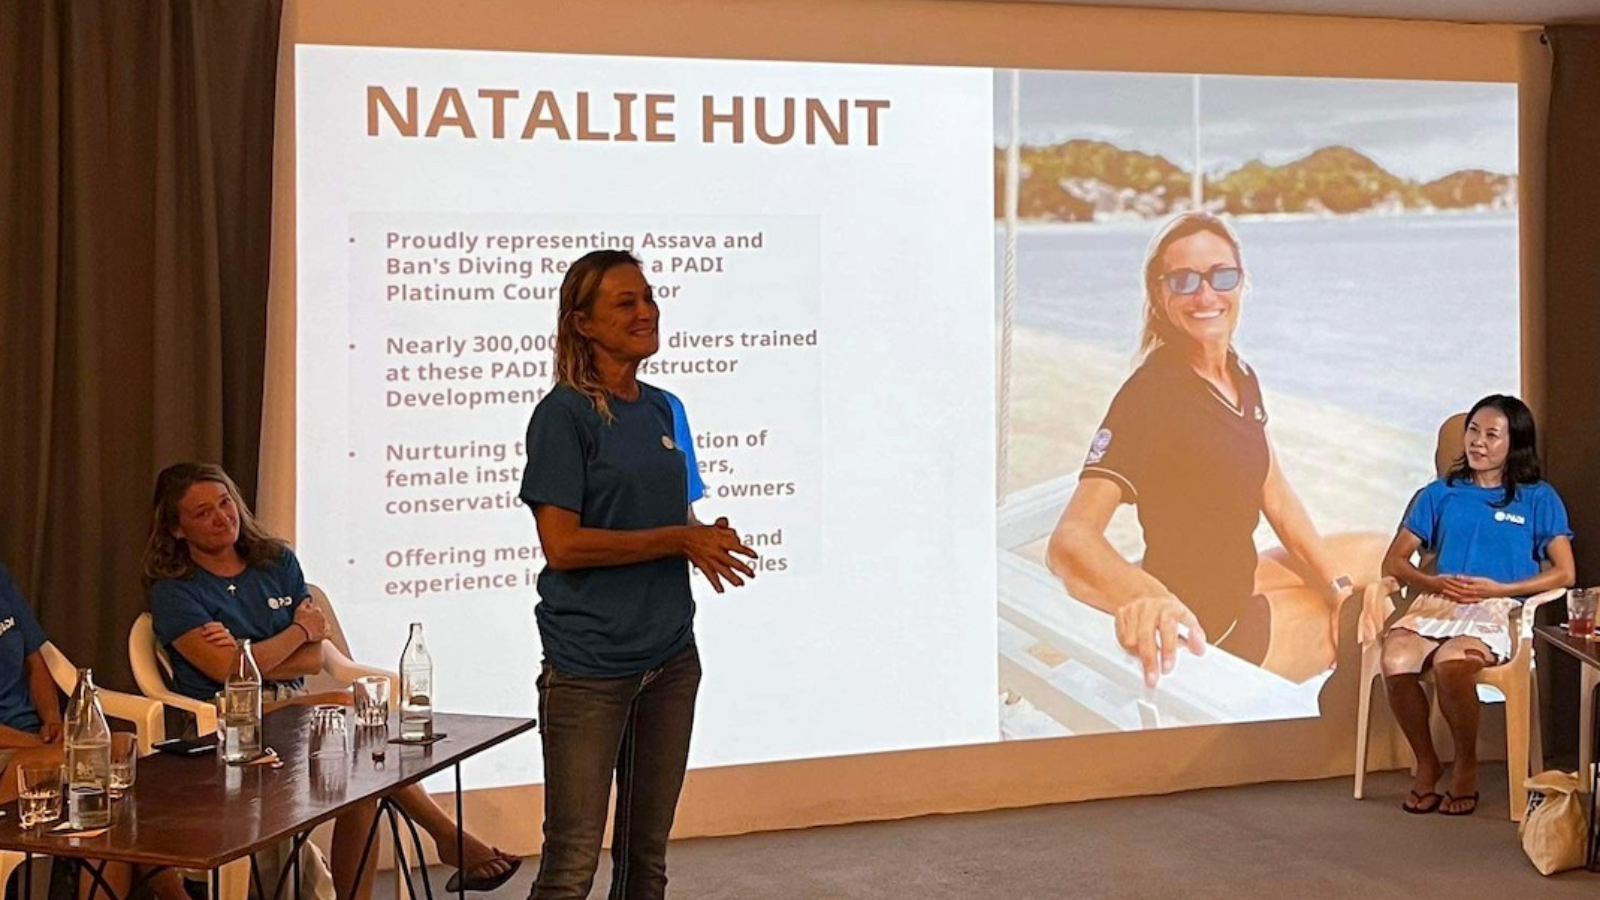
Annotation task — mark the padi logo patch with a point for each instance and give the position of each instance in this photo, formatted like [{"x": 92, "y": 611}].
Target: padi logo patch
[
  {"x": 8, "y": 623},
  {"x": 1097, "y": 447},
  {"x": 279, "y": 602},
  {"x": 1501, "y": 515}
]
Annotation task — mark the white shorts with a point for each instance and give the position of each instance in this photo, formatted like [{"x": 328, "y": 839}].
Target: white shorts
[{"x": 1438, "y": 617}]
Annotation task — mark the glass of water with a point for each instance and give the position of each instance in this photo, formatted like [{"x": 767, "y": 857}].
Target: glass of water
[
  {"x": 39, "y": 786},
  {"x": 372, "y": 700},
  {"x": 329, "y": 738},
  {"x": 124, "y": 762}
]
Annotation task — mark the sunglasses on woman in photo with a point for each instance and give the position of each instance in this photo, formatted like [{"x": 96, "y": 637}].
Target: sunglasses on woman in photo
[{"x": 1187, "y": 281}]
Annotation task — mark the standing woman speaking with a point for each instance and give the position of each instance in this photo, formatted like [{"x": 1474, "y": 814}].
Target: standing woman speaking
[{"x": 610, "y": 479}]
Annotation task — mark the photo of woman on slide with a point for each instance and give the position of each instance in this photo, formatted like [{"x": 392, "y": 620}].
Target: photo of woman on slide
[
  {"x": 1176, "y": 530},
  {"x": 1185, "y": 441}
]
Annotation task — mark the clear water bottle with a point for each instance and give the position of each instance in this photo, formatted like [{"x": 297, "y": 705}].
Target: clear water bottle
[
  {"x": 416, "y": 688},
  {"x": 88, "y": 758},
  {"x": 241, "y": 708}
]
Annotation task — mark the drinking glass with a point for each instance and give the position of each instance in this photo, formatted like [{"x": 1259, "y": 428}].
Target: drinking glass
[
  {"x": 372, "y": 700},
  {"x": 124, "y": 762},
  {"x": 329, "y": 736},
  {"x": 1581, "y": 604},
  {"x": 39, "y": 786}
]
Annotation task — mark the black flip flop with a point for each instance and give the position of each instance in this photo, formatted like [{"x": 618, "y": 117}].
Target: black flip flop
[
  {"x": 487, "y": 882},
  {"x": 1452, "y": 798},
  {"x": 1419, "y": 805}
]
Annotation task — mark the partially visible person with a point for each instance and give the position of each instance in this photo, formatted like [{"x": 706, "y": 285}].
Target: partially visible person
[
  {"x": 1186, "y": 442},
  {"x": 611, "y": 480},
  {"x": 31, "y": 729},
  {"x": 30, "y": 706},
  {"x": 215, "y": 577},
  {"x": 1498, "y": 533}
]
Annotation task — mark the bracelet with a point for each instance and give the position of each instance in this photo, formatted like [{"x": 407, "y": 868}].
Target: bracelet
[{"x": 303, "y": 630}]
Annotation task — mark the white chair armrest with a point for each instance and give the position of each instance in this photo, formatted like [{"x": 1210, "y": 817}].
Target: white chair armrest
[
  {"x": 346, "y": 671},
  {"x": 153, "y": 684},
  {"x": 1522, "y": 622},
  {"x": 1525, "y": 617},
  {"x": 148, "y": 717},
  {"x": 1377, "y": 604},
  {"x": 64, "y": 673},
  {"x": 1538, "y": 600}
]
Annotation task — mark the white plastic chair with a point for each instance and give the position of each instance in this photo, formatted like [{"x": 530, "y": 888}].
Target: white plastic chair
[
  {"x": 1513, "y": 679},
  {"x": 146, "y": 716}
]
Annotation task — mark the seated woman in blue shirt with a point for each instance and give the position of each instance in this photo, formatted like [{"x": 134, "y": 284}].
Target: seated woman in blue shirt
[
  {"x": 30, "y": 708},
  {"x": 216, "y": 576},
  {"x": 1498, "y": 533}
]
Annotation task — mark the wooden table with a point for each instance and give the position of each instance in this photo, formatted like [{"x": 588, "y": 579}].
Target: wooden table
[
  {"x": 1587, "y": 652},
  {"x": 200, "y": 813}
]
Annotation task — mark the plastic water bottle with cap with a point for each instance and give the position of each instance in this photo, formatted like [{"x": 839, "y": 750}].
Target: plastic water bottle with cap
[
  {"x": 241, "y": 708},
  {"x": 88, "y": 758},
  {"x": 416, "y": 689}
]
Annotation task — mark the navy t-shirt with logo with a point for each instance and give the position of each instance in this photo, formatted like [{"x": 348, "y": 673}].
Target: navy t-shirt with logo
[
  {"x": 1471, "y": 535},
  {"x": 628, "y": 474},
  {"x": 1194, "y": 464},
  {"x": 259, "y": 605},
  {"x": 20, "y": 637}
]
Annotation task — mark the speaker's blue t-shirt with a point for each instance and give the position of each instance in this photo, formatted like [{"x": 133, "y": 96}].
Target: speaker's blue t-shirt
[
  {"x": 258, "y": 603},
  {"x": 628, "y": 474},
  {"x": 1472, "y": 536},
  {"x": 20, "y": 637}
]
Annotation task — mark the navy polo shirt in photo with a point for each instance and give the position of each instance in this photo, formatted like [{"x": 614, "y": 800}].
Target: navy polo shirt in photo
[{"x": 1194, "y": 464}]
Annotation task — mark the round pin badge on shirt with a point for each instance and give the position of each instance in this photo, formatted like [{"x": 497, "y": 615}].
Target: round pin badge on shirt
[{"x": 667, "y": 443}]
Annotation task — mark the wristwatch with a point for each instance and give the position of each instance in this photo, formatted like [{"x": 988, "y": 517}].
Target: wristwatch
[{"x": 1341, "y": 584}]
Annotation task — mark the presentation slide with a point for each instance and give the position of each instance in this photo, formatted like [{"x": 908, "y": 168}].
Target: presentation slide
[
  {"x": 940, "y": 334},
  {"x": 820, "y": 241}
]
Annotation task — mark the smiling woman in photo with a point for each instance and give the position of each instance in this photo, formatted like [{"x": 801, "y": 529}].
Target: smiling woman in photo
[{"x": 1186, "y": 442}]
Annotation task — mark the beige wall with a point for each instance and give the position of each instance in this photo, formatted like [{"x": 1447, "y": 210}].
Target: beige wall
[{"x": 753, "y": 798}]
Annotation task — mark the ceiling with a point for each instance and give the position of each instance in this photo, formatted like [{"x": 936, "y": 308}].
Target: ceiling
[{"x": 1531, "y": 12}]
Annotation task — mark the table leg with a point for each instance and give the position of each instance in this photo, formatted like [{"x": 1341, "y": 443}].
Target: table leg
[
  {"x": 291, "y": 866},
  {"x": 27, "y": 876},
  {"x": 97, "y": 878},
  {"x": 396, "y": 814},
  {"x": 1593, "y": 777},
  {"x": 255, "y": 879},
  {"x": 461, "y": 838},
  {"x": 1590, "y": 680}
]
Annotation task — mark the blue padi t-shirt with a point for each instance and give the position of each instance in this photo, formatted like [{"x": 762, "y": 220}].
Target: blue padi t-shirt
[
  {"x": 20, "y": 636},
  {"x": 1472, "y": 536},
  {"x": 628, "y": 474},
  {"x": 258, "y": 603}
]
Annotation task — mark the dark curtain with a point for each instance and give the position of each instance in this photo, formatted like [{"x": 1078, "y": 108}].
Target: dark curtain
[
  {"x": 1571, "y": 426},
  {"x": 135, "y": 207}
]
